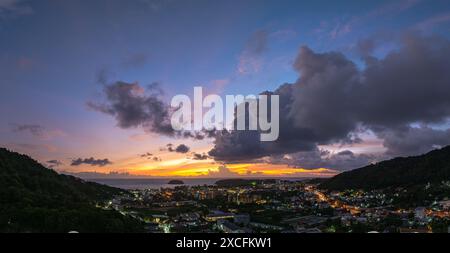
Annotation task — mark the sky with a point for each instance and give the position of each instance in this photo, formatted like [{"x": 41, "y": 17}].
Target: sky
[{"x": 86, "y": 85}]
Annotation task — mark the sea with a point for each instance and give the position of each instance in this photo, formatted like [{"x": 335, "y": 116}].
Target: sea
[{"x": 157, "y": 183}]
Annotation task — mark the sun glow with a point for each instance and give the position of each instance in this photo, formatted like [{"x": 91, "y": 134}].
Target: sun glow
[
  {"x": 179, "y": 165},
  {"x": 190, "y": 168}
]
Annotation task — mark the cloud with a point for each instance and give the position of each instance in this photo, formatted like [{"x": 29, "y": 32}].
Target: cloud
[
  {"x": 319, "y": 158},
  {"x": 197, "y": 156},
  {"x": 216, "y": 86},
  {"x": 14, "y": 8},
  {"x": 405, "y": 141},
  {"x": 135, "y": 106},
  {"x": 156, "y": 159},
  {"x": 333, "y": 101},
  {"x": 179, "y": 149},
  {"x": 146, "y": 155},
  {"x": 250, "y": 60},
  {"x": 96, "y": 175},
  {"x": 257, "y": 43},
  {"x": 340, "y": 29},
  {"x": 221, "y": 172},
  {"x": 150, "y": 156},
  {"x": 343, "y": 26},
  {"x": 134, "y": 60},
  {"x": 284, "y": 34},
  {"x": 103, "y": 75},
  {"x": 237, "y": 146},
  {"x": 37, "y": 131},
  {"x": 54, "y": 163},
  {"x": 91, "y": 161},
  {"x": 155, "y": 5},
  {"x": 29, "y": 147},
  {"x": 433, "y": 21}
]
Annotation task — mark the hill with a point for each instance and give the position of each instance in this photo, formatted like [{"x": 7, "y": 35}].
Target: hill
[
  {"x": 432, "y": 167},
  {"x": 37, "y": 199},
  {"x": 176, "y": 181}
]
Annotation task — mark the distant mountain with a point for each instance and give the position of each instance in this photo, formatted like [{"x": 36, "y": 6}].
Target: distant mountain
[
  {"x": 176, "y": 182},
  {"x": 432, "y": 167},
  {"x": 236, "y": 182},
  {"x": 316, "y": 180},
  {"x": 96, "y": 175},
  {"x": 36, "y": 199}
]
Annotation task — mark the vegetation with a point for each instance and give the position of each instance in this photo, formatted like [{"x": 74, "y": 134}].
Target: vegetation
[
  {"x": 433, "y": 167},
  {"x": 36, "y": 199}
]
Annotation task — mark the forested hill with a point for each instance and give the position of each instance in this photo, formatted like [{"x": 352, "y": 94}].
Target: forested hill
[
  {"x": 432, "y": 167},
  {"x": 36, "y": 199}
]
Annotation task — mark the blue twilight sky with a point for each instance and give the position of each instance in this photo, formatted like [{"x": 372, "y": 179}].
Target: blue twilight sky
[{"x": 54, "y": 55}]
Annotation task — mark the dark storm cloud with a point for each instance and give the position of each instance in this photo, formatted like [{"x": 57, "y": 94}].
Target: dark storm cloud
[
  {"x": 333, "y": 101},
  {"x": 237, "y": 146},
  {"x": 345, "y": 152},
  {"x": 317, "y": 158},
  {"x": 135, "y": 106},
  {"x": 320, "y": 97},
  {"x": 90, "y": 161},
  {"x": 407, "y": 141}
]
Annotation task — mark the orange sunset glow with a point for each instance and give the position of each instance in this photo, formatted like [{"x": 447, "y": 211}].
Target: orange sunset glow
[{"x": 208, "y": 168}]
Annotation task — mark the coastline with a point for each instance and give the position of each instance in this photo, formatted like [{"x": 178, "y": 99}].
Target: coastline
[{"x": 156, "y": 183}]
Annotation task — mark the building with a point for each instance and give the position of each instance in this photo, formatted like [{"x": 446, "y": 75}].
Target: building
[
  {"x": 307, "y": 230},
  {"x": 306, "y": 221},
  {"x": 242, "y": 219},
  {"x": 229, "y": 227},
  {"x": 218, "y": 215},
  {"x": 265, "y": 226}
]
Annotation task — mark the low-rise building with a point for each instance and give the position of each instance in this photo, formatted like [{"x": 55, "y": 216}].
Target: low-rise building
[{"x": 229, "y": 227}]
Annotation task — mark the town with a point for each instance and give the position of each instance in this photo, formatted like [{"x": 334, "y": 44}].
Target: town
[{"x": 283, "y": 206}]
